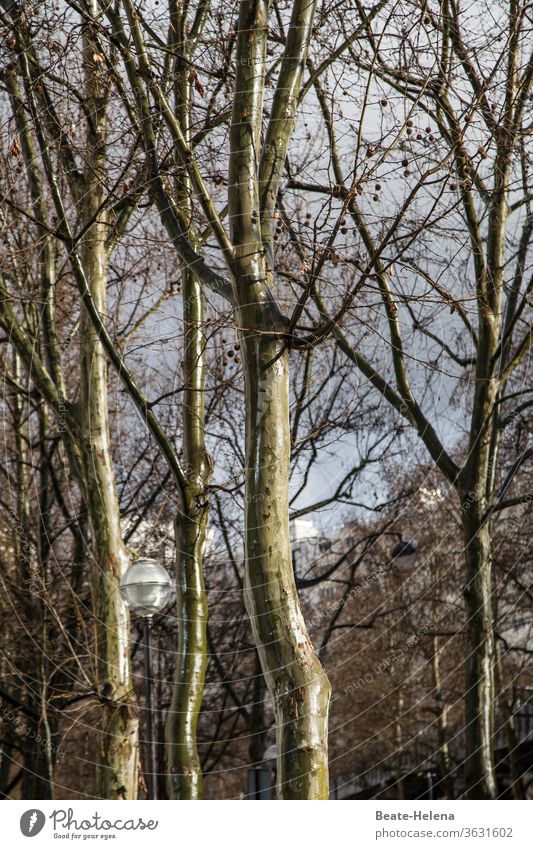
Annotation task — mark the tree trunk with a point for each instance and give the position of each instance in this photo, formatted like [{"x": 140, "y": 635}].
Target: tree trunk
[
  {"x": 35, "y": 780},
  {"x": 37, "y": 776},
  {"x": 8, "y": 761},
  {"x": 296, "y": 681},
  {"x": 294, "y": 676},
  {"x": 118, "y": 753},
  {"x": 480, "y": 781},
  {"x": 117, "y": 767},
  {"x": 476, "y": 488},
  {"x": 184, "y": 769},
  {"x": 444, "y": 763},
  {"x": 398, "y": 735}
]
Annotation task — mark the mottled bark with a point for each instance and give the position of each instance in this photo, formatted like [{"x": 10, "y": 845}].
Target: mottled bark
[
  {"x": 118, "y": 746},
  {"x": 117, "y": 768},
  {"x": 184, "y": 770},
  {"x": 294, "y": 676},
  {"x": 296, "y": 681}
]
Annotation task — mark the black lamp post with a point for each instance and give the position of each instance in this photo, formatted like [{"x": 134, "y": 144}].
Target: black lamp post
[
  {"x": 146, "y": 589},
  {"x": 261, "y": 778}
]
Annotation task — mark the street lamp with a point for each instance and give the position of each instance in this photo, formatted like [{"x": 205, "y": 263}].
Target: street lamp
[
  {"x": 146, "y": 589},
  {"x": 403, "y": 553}
]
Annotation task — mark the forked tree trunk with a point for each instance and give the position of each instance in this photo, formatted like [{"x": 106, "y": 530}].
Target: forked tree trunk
[{"x": 295, "y": 678}]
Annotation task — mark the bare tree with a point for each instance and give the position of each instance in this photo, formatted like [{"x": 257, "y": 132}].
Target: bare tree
[
  {"x": 468, "y": 166},
  {"x": 85, "y": 422}
]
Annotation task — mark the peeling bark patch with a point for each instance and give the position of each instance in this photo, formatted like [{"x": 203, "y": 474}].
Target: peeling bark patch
[{"x": 188, "y": 769}]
